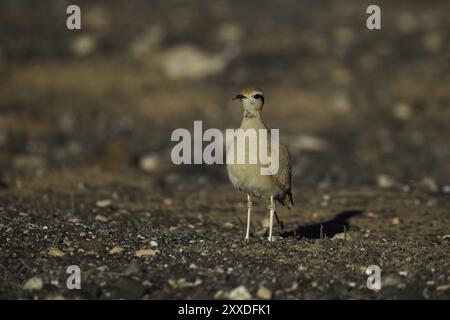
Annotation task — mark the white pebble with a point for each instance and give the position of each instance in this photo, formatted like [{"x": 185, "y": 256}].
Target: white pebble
[
  {"x": 34, "y": 283},
  {"x": 153, "y": 243}
]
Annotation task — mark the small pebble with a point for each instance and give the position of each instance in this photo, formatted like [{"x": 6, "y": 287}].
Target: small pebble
[
  {"x": 264, "y": 293},
  {"x": 385, "y": 181},
  {"x": 193, "y": 266},
  {"x": 228, "y": 225},
  {"x": 443, "y": 287},
  {"x": 116, "y": 250},
  {"x": 101, "y": 218},
  {"x": 406, "y": 188},
  {"x": 149, "y": 162},
  {"x": 153, "y": 244},
  {"x": 55, "y": 252},
  {"x": 146, "y": 252},
  {"x": 34, "y": 283},
  {"x": 239, "y": 293},
  {"x": 103, "y": 203}
]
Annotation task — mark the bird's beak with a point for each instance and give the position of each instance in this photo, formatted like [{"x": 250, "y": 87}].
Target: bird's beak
[{"x": 240, "y": 96}]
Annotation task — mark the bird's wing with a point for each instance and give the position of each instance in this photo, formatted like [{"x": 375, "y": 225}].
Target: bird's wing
[{"x": 283, "y": 176}]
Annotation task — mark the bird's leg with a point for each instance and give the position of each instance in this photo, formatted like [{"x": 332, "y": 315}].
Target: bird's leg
[
  {"x": 272, "y": 210},
  {"x": 249, "y": 207}
]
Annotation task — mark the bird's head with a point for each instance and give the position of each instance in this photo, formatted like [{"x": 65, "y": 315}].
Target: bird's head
[{"x": 252, "y": 99}]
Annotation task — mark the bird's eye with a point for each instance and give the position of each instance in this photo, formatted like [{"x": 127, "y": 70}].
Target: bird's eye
[{"x": 257, "y": 96}]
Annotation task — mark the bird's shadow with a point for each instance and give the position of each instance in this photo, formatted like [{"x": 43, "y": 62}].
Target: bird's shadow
[{"x": 321, "y": 230}]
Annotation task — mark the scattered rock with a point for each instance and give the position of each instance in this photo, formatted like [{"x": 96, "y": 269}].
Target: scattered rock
[
  {"x": 116, "y": 250},
  {"x": 193, "y": 266},
  {"x": 103, "y": 203},
  {"x": 228, "y": 225},
  {"x": 402, "y": 111},
  {"x": 182, "y": 283},
  {"x": 385, "y": 181},
  {"x": 146, "y": 252},
  {"x": 406, "y": 188},
  {"x": 34, "y": 283},
  {"x": 101, "y": 218},
  {"x": 147, "y": 283},
  {"x": 153, "y": 244},
  {"x": 264, "y": 293},
  {"x": 372, "y": 215},
  {"x": 219, "y": 294},
  {"x": 443, "y": 287},
  {"x": 177, "y": 283},
  {"x": 55, "y": 297},
  {"x": 341, "y": 236},
  {"x": 239, "y": 293},
  {"x": 432, "y": 42},
  {"x": 230, "y": 33},
  {"x": 83, "y": 46},
  {"x": 189, "y": 62},
  {"x": 168, "y": 201},
  {"x": 55, "y": 252},
  {"x": 430, "y": 184},
  {"x": 310, "y": 143},
  {"x": 149, "y": 162}
]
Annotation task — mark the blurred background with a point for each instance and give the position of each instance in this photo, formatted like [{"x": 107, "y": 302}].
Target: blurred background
[{"x": 356, "y": 107}]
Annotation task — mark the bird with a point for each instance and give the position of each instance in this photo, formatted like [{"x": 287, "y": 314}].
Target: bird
[{"x": 246, "y": 177}]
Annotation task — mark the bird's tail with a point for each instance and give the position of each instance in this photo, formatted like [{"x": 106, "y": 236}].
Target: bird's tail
[{"x": 287, "y": 200}]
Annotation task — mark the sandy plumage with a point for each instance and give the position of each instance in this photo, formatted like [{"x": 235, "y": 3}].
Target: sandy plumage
[{"x": 247, "y": 177}]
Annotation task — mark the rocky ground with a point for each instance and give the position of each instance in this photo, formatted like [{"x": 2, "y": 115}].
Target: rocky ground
[{"x": 86, "y": 177}]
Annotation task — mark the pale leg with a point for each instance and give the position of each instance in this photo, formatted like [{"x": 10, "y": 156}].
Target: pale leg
[
  {"x": 249, "y": 206},
  {"x": 272, "y": 210}
]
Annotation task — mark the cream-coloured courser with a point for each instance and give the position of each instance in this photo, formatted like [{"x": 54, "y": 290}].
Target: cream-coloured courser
[{"x": 247, "y": 177}]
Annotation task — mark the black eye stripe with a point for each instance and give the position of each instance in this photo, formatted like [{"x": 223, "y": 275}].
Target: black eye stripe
[{"x": 258, "y": 96}]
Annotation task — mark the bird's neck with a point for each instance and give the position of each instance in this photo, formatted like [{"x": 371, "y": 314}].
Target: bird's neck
[
  {"x": 251, "y": 115},
  {"x": 252, "y": 119}
]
